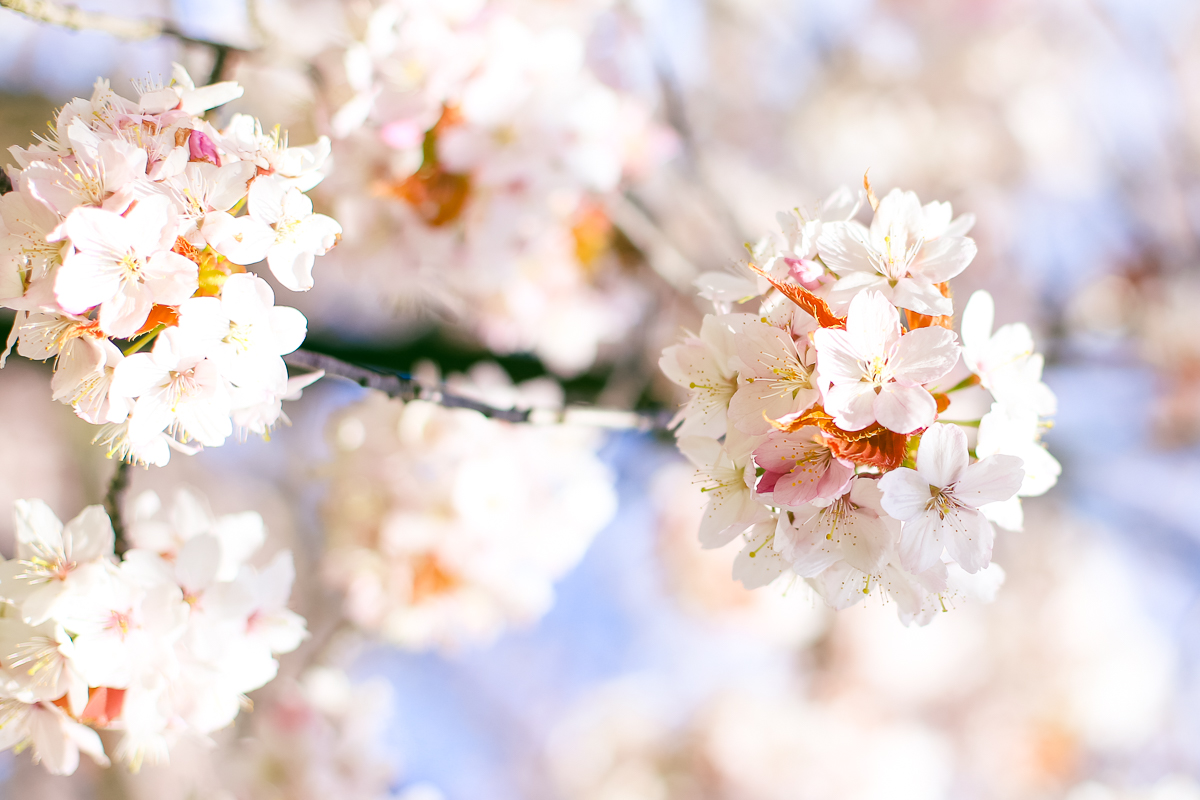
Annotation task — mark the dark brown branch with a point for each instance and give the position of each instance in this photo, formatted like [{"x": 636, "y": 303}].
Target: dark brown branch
[
  {"x": 405, "y": 387},
  {"x": 117, "y": 485}
]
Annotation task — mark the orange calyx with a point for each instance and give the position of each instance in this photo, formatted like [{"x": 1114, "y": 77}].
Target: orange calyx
[
  {"x": 913, "y": 320},
  {"x": 943, "y": 401},
  {"x": 817, "y": 308},
  {"x": 874, "y": 446},
  {"x": 166, "y": 316},
  {"x": 429, "y": 579},
  {"x": 434, "y": 192},
  {"x": 592, "y": 231},
  {"x": 104, "y": 706}
]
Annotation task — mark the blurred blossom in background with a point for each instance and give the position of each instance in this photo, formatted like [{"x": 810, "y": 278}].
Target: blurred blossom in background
[{"x": 527, "y": 190}]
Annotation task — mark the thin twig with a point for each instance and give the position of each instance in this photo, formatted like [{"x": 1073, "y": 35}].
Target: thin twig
[
  {"x": 112, "y": 504},
  {"x": 405, "y": 387},
  {"x": 75, "y": 18}
]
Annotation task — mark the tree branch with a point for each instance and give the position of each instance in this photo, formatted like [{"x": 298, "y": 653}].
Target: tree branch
[
  {"x": 68, "y": 16},
  {"x": 405, "y": 387},
  {"x": 112, "y": 504}
]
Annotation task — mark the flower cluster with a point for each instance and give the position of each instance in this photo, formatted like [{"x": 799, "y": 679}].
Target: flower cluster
[
  {"x": 445, "y": 527},
  {"x": 126, "y": 224},
  {"x": 815, "y": 420},
  {"x": 488, "y": 147},
  {"x": 159, "y": 644}
]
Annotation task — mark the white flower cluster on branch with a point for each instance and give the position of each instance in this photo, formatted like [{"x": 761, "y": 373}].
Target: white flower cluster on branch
[
  {"x": 485, "y": 147},
  {"x": 160, "y": 644},
  {"x": 835, "y": 425},
  {"x": 445, "y": 527},
  {"x": 135, "y": 221}
]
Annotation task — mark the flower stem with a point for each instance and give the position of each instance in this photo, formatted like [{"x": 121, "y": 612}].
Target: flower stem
[
  {"x": 405, "y": 387},
  {"x": 150, "y": 336},
  {"x": 117, "y": 485}
]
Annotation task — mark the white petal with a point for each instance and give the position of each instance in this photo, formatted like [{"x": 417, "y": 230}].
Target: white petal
[
  {"x": 942, "y": 455},
  {"x": 905, "y": 493},
  {"x": 989, "y": 480}
]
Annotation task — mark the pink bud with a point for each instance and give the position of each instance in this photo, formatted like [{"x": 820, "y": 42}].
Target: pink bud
[{"x": 202, "y": 148}]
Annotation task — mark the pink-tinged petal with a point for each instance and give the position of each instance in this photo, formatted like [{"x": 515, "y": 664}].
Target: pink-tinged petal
[
  {"x": 126, "y": 312},
  {"x": 51, "y": 746},
  {"x": 835, "y": 481},
  {"x": 801, "y": 485},
  {"x": 852, "y": 405},
  {"x": 921, "y": 542},
  {"x": 923, "y": 355},
  {"x": 837, "y": 359},
  {"x": 968, "y": 537},
  {"x": 942, "y": 456},
  {"x": 904, "y": 409},
  {"x": 919, "y": 295},
  {"x": 843, "y": 247},
  {"x": 292, "y": 266},
  {"x": 944, "y": 258},
  {"x": 171, "y": 278},
  {"x": 86, "y": 280},
  {"x": 990, "y": 480},
  {"x": 872, "y": 325},
  {"x": 905, "y": 493}
]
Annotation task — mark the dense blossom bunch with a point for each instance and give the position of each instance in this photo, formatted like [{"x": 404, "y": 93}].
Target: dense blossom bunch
[
  {"x": 840, "y": 426},
  {"x": 445, "y": 527},
  {"x": 126, "y": 224},
  {"x": 487, "y": 147},
  {"x": 161, "y": 643}
]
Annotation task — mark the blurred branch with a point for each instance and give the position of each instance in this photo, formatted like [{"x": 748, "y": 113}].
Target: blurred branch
[
  {"x": 405, "y": 387},
  {"x": 75, "y": 18},
  {"x": 661, "y": 253},
  {"x": 117, "y": 485}
]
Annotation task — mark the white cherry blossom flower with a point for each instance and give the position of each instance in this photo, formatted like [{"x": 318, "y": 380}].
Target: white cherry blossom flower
[
  {"x": 875, "y": 372},
  {"x": 56, "y": 739},
  {"x": 299, "y": 233},
  {"x": 50, "y": 556},
  {"x": 124, "y": 265},
  {"x": 852, "y": 527},
  {"x": 178, "y": 389},
  {"x": 704, "y": 366},
  {"x": 729, "y": 474},
  {"x": 938, "y": 502},
  {"x": 776, "y": 377},
  {"x": 1005, "y": 360},
  {"x": 907, "y": 251}
]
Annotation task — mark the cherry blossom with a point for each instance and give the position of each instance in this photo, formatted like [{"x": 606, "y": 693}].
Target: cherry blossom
[
  {"x": 816, "y": 424},
  {"x": 938, "y": 502},
  {"x": 159, "y": 644},
  {"x": 124, "y": 248},
  {"x": 907, "y": 251},
  {"x": 876, "y": 373}
]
